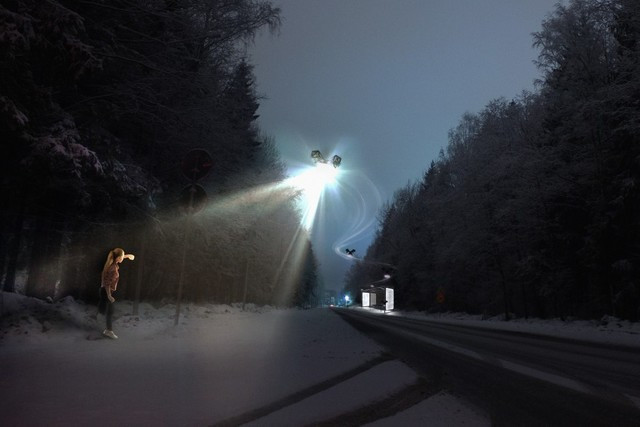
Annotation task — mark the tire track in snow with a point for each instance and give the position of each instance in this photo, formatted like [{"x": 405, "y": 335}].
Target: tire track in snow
[{"x": 302, "y": 394}]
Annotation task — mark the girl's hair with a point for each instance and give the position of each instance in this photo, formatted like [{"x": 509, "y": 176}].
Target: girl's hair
[{"x": 111, "y": 258}]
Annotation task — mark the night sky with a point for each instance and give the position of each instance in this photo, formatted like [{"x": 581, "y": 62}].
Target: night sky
[{"x": 381, "y": 82}]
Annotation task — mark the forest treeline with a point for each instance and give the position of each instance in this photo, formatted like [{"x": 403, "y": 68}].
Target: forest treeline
[
  {"x": 533, "y": 208},
  {"x": 100, "y": 101}
]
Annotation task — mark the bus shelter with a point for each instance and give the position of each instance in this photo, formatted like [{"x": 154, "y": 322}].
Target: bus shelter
[{"x": 380, "y": 297}]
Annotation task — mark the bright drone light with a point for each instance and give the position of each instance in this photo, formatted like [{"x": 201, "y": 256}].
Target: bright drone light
[
  {"x": 315, "y": 178},
  {"x": 325, "y": 173},
  {"x": 313, "y": 181}
]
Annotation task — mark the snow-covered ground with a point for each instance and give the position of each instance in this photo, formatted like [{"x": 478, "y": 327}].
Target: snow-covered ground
[
  {"x": 219, "y": 363},
  {"x": 262, "y": 365}
]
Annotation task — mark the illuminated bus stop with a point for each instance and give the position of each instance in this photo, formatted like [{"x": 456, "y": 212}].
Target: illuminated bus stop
[{"x": 380, "y": 297}]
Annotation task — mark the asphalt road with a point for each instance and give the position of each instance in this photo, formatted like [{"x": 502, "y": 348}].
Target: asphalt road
[{"x": 517, "y": 378}]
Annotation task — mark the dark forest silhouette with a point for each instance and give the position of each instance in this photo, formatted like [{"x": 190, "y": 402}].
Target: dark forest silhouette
[
  {"x": 99, "y": 103},
  {"x": 533, "y": 208}
]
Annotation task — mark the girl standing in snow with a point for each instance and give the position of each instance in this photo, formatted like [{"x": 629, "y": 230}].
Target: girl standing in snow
[{"x": 109, "y": 284}]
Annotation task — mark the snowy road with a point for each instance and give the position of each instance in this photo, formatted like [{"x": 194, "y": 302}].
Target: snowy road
[
  {"x": 221, "y": 366},
  {"x": 518, "y": 378}
]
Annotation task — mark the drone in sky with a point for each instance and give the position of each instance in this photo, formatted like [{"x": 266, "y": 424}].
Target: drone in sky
[
  {"x": 317, "y": 157},
  {"x": 349, "y": 251}
]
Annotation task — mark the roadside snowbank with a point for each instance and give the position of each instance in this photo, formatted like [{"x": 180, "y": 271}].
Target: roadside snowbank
[{"x": 608, "y": 330}]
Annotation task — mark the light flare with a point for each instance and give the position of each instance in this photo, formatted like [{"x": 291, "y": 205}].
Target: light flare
[
  {"x": 313, "y": 181},
  {"x": 365, "y": 202}
]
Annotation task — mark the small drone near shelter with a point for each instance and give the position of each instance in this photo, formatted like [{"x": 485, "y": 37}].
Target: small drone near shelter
[
  {"x": 349, "y": 251},
  {"x": 317, "y": 157}
]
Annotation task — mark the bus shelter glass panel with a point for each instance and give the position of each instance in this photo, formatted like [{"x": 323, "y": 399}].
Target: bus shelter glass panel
[
  {"x": 389, "y": 298},
  {"x": 365, "y": 299}
]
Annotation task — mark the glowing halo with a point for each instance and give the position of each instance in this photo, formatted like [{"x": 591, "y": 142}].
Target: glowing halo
[
  {"x": 366, "y": 200},
  {"x": 316, "y": 177},
  {"x": 313, "y": 181}
]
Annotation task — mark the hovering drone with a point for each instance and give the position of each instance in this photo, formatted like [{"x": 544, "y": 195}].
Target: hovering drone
[
  {"x": 317, "y": 157},
  {"x": 349, "y": 251}
]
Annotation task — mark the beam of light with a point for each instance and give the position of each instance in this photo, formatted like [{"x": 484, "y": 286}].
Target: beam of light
[
  {"x": 313, "y": 181},
  {"x": 294, "y": 256},
  {"x": 265, "y": 197},
  {"x": 309, "y": 184}
]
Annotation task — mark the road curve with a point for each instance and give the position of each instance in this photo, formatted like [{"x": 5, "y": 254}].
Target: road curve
[{"x": 518, "y": 378}]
